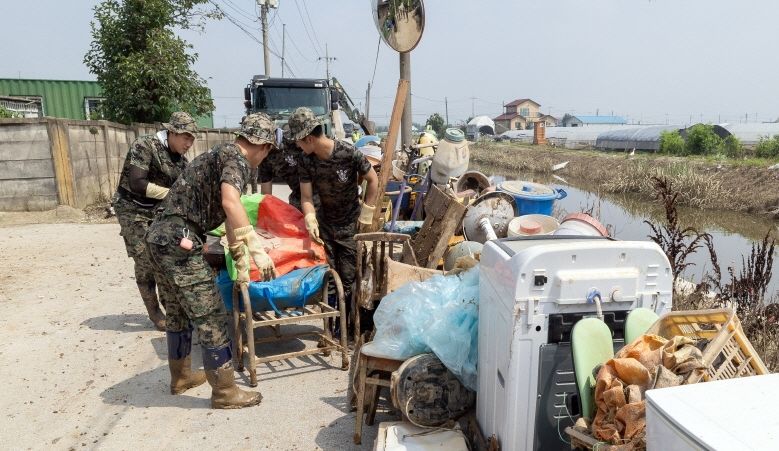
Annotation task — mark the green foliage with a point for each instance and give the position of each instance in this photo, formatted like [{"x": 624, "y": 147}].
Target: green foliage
[
  {"x": 768, "y": 147},
  {"x": 701, "y": 140},
  {"x": 144, "y": 68},
  {"x": 437, "y": 123},
  {"x": 5, "y": 114},
  {"x": 731, "y": 147},
  {"x": 671, "y": 143}
]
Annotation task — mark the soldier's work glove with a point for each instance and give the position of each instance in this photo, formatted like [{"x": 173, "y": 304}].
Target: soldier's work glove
[
  {"x": 366, "y": 214},
  {"x": 241, "y": 261},
  {"x": 248, "y": 237},
  {"x": 312, "y": 225}
]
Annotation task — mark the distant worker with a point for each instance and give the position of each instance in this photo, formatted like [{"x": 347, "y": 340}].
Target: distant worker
[
  {"x": 282, "y": 164},
  {"x": 207, "y": 194},
  {"x": 334, "y": 170},
  {"x": 152, "y": 164},
  {"x": 426, "y": 142},
  {"x": 355, "y": 135}
]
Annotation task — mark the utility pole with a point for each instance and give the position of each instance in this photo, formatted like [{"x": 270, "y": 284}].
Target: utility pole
[
  {"x": 406, "y": 119},
  {"x": 327, "y": 59},
  {"x": 446, "y": 106},
  {"x": 264, "y": 20},
  {"x": 283, "y": 45},
  {"x": 473, "y": 109}
]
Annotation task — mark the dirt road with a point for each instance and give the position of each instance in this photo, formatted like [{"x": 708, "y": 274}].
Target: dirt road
[{"x": 82, "y": 368}]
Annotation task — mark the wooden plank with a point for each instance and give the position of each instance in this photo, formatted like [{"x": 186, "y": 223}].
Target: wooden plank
[
  {"x": 26, "y": 169},
  {"x": 389, "y": 148},
  {"x": 60, "y": 154},
  {"x": 443, "y": 216},
  {"x": 24, "y": 150},
  {"x": 399, "y": 274}
]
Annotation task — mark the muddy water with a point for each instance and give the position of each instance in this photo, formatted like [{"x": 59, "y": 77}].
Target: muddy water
[{"x": 625, "y": 216}]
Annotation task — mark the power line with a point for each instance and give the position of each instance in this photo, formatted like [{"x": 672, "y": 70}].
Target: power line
[
  {"x": 243, "y": 27},
  {"x": 376, "y": 62},
  {"x": 300, "y": 13},
  {"x": 313, "y": 30},
  {"x": 240, "y": 11}
]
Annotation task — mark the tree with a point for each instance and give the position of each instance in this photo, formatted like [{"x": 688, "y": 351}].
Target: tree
[
  {"x": 145, "y": 70},
  {"x": 436, "y": 122}
]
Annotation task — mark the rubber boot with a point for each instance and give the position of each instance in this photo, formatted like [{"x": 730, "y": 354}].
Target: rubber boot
[
  {"x": 182, "y": 378},
  {"x": 225, "y": 394},
  {"x": 149, "y": 296}
]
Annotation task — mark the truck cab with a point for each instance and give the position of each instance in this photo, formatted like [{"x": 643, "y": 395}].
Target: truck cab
[{"x": 279, "y": 97}]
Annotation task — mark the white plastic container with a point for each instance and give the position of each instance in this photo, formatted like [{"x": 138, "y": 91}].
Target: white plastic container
[
  {"x": 531, "y": 225},
  {"x": 731, "y": 414},
  {"x": 532, "y": 289},
  {"x": 581, "y": 224}
]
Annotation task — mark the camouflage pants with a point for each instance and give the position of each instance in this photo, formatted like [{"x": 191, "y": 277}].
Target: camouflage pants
[
  {"x": 188, "y": 285},
  {"x": 341, "y": 252},
  {"x": 134, "y": 222}
]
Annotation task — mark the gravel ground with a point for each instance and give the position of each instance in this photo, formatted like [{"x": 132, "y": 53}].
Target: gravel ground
[{"x": 82, "y": 367}]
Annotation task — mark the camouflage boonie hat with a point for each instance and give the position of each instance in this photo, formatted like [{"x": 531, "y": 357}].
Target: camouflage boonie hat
[
  {"x": 302, "y": 122},
  {"x": 181, "y": 122},
  {"x": 258, "y": 128}
]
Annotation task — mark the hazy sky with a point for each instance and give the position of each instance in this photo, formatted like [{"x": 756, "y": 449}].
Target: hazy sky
[{"x": 653, "y": 61}]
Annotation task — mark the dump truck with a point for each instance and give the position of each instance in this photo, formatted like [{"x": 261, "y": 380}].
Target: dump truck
[{"x": 279, "y": 97}]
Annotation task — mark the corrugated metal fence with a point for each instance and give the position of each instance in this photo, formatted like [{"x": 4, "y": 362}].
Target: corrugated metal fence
[{"x": 48, "y": 162}]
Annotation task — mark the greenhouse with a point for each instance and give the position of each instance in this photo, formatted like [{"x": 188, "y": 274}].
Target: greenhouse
[{"x": 638, "y": 138}]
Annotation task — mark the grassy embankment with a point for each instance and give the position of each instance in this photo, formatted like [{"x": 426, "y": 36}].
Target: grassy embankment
[{"x": 703, "y": 182}]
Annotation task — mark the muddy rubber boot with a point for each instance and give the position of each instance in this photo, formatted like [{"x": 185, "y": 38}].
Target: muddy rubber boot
[
  {"x": 153, "y": 307},
  {"x": 225, "y": 394},
  {"x": 182, "y": 378}
]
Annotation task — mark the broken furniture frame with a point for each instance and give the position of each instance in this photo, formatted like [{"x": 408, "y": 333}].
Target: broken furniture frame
[
  {"x": 374, "y": 251},
  {"x": 267, "y": 318}
]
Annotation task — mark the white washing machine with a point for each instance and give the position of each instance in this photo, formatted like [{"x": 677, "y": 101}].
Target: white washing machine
[{"x": 532, "y": 291}]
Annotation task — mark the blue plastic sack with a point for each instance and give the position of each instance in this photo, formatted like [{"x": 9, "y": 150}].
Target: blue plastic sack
[
  {"x": 289, "y": 290},
  {"x": 439, "y": 315}
]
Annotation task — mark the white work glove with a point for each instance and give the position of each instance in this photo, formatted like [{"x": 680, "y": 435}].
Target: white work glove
[
  {"x": 312, "y": 225},
  {"x": 366, "y": 214},
  {"x": 154, "y": 191},
  {"x": 248, "y": 237}
]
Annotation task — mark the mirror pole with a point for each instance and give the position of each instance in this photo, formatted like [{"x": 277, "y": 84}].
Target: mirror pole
[{"x": 405, "y": 74}]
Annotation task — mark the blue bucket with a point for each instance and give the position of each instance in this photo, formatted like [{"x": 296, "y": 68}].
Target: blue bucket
[{"x": 533, "y": 198}]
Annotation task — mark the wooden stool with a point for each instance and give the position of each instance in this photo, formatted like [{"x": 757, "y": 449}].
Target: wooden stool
[{"x": 368, "y": 363}]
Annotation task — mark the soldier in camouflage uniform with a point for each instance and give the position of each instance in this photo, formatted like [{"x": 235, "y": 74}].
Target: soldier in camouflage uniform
[
  {"x": 283, "y": 164},
  {"x": 153, "y": 163},
  {"x": 334, "y": 169},
  {"x": 206, "y": 194}
]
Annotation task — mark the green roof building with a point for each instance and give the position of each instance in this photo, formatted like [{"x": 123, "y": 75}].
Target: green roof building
[{"x": 68, "y": 99}]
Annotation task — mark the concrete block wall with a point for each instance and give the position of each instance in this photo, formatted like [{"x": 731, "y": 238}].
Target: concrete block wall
[
  {"x": 49, "y": 162},
  {"x": 27, "y": 181}
]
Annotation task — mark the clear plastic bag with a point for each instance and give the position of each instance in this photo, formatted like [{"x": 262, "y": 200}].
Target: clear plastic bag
[{"x": 439, "y": 315}]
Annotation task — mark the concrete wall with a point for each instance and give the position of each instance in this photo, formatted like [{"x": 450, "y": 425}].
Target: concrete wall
[{"x": 46, "y": 162}]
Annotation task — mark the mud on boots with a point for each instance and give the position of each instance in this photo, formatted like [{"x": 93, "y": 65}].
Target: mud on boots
[
  {"x": 225, "y": 394},
  {"x": 182, "y": 378}
]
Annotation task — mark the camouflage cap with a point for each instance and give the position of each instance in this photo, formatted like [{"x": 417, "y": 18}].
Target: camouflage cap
[
  {"x": 301, "y": 123},
  {"x": 258, "y": 128},
  {"x": 181, "y": 122}
]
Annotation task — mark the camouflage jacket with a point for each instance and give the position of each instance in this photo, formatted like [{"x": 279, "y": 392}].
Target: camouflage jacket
[
  {"x": 162, "y": 165},
  {"x": 335, "y": 180},
  {"x": 196, "y": 197},
  {"x": 283, "y": 164}
]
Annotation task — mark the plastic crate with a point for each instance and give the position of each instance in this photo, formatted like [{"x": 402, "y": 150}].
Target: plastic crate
[{"x": 728, "y": 354}]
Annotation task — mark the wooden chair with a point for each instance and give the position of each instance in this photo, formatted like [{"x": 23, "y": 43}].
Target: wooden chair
[{"x": 373, "y": 369}]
